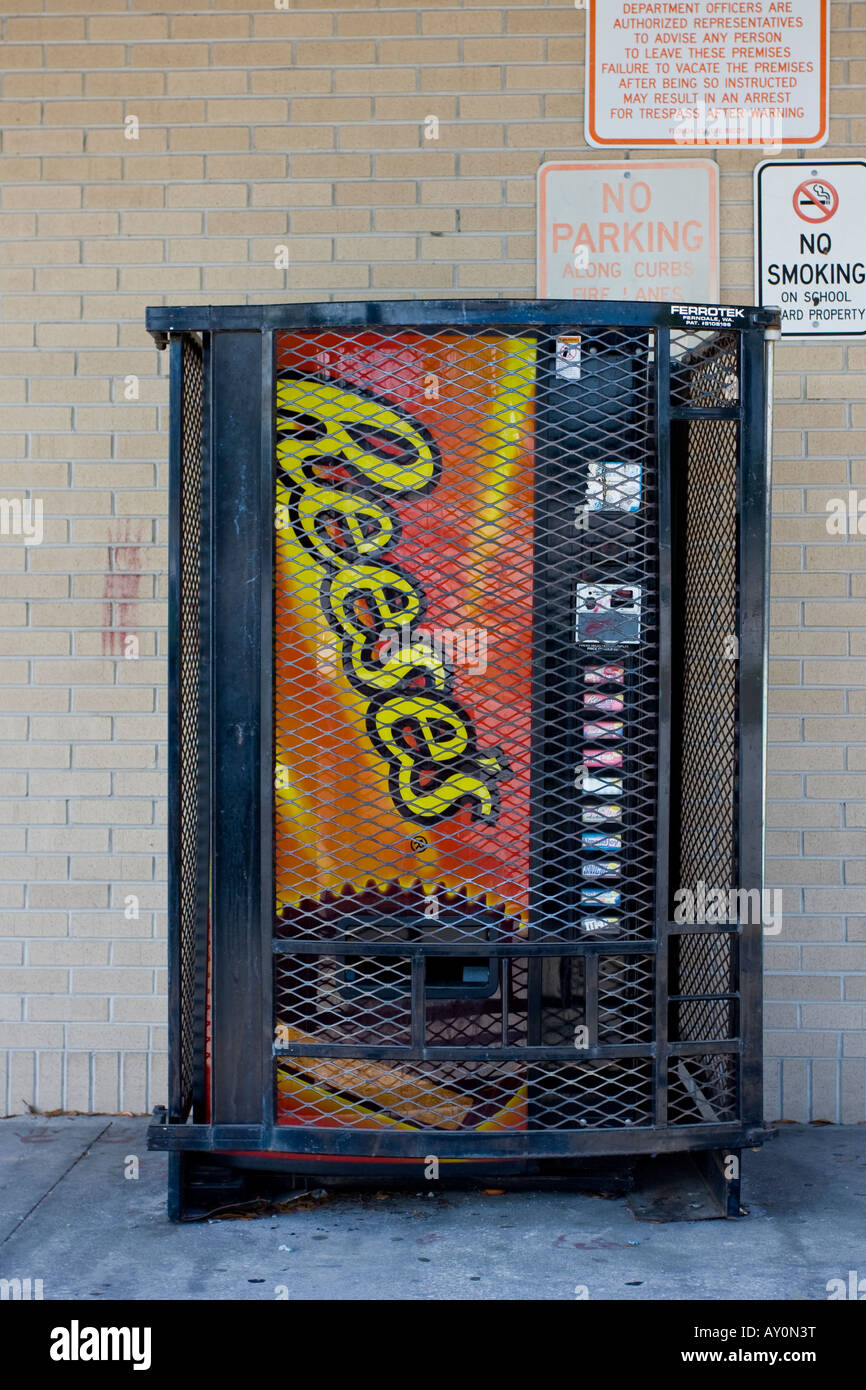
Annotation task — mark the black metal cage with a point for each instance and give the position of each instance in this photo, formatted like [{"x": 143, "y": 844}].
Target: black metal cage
[{"x": 467, "y": 688}]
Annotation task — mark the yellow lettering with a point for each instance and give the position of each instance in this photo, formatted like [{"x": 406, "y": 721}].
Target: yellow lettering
[
  {"x": 364, "y": 528},
  {"x": 441, "y": 728},
  {"x": 389, "y": 598},
  {"x": 373, "y": 439}
]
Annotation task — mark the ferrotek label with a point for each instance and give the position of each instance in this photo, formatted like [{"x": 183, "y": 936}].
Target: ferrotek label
[
  {"x": 810, "y": 250},
  {"x": 707, "y": 72},
  {"x": 706, "y": 315}
]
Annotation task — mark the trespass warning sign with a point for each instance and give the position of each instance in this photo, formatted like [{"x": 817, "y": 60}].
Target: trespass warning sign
[
  {"x": 810, "y": 245},
  {"x": 707, "y": 72}
]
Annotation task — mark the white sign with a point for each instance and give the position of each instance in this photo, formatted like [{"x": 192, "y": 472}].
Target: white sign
[
  {"x": 707, "y": 72},
  {"x": 810, "y": 247},
  {"x": 640, "y": 230}
]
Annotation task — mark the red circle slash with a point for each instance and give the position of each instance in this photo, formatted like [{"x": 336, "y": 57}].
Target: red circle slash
[{"x": 816, "y": 200}]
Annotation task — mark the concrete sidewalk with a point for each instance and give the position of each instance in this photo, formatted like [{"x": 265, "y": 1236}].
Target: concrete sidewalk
[{"x": 69, "y": 1217}]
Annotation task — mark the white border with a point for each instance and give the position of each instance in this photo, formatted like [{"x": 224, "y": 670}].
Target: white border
[
  {"x": 637, "y": 150},
  {"x": 620, "y": 165},
  {"x": 802, "y": 164}
]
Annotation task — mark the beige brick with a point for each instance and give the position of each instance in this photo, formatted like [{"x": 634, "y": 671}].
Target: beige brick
[
  {"x": 783, "y": 842},
  {"x": 30, "y": 1035},
  {"x": 245, "y": 166},
  {"x": 56, "y": 701},
  {"x": 784, "y": 787},
  {"x": 250, "y": 111},
  {"x": 210, "y": 26},
  {"x": 138, "y": 1009},
  {"x": 842, "y": 386},
  {"x": 431, "y": 277},
  {"x": 40, "y": 30},
  {"x": 151, "y": 953},
  {"x": 800, "y": 871},
  {"x": 246, "y": 223},
  {"x": 106, "y": 1035},
  {"x": 111, "y": 925},
  {"x": 68, "y": 1010},
  {"x": 485, "y": 164},
  {"x": 332, "y": 221},
  {"x": 243, "y": 277},
  {"x": 415, "y": 220},
  {"x": 223, "y": 138},
  {"x": 801, "y": 1044},
  {"x": 836, "y": 558},
  {"x": 113, "y": 981},
  {"x": 32, "y": 923},
  {"x": 350, "y": 80},
  {"x": 110, "y": 641},
  {"x": 337, "y": 277},
  {"x": 794, "y": 1101},
  {"x": 128, "y": 28},
  {"x": 335, "y": 108},
  {"x": 844, "y": 1016},
  {"x": 27, "y": 755},
  {"x": 139, "y": 784},
  {"x": 113, "y": 755},
  {"x": 845, "y": 614},
  {"x": 487, "y": 276},
  {"x": 787, "y": 643},
  {"x": 809, "y": 585},
  {"x": 223, "y": 195},
  {"x": 35, "y": 981}
]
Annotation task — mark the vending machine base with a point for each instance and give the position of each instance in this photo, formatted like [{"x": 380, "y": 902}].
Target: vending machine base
[{"x": 698, "y": 1186}]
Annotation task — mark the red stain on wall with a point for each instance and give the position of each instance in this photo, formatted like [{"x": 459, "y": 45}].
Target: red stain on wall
[{"x": 124, "y": 583}]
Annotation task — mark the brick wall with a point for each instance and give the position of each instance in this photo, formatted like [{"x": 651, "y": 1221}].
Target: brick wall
[{"x": 260, "y": 127}]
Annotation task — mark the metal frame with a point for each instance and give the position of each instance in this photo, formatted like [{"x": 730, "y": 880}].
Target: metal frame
[
  {"x": 239, "y": 452},
  {"x": 436, "y": 313}
]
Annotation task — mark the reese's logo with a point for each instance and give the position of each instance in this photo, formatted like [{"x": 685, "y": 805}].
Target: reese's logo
[{"x": 343, "y": 458}]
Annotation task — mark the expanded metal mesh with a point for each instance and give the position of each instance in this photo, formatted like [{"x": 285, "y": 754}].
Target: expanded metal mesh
[
  {"x": 704, "y": 964},
  {"x": 704, "y": 1089},
  {"x": 709, "y": 676},
  {"x": 467, "y": 714},
  {"x": 704, "y": 369},
  {"x": 190, "y": 712}
]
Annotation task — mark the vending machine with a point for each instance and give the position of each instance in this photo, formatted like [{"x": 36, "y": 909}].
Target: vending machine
[{"x": 467, "y": 654}]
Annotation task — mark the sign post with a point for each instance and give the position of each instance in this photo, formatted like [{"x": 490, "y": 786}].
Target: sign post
[
  {"x": 810, "y": 245},
  {"x": 714, "y": 73},
  {"x": 637, "y": 230}
]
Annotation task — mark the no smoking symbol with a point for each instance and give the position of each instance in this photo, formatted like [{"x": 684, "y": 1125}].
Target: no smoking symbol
[{"x": 816, "y": 200}]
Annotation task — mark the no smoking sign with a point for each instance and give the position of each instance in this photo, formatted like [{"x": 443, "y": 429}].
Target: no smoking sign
[{"x": 810, "y": 249}]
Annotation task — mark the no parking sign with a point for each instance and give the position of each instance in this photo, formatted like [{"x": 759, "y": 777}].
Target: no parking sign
[{"x": 810, "y": 245}]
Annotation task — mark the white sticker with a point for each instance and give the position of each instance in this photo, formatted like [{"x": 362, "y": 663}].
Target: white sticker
[
  {"x": 568, "y": 356},
  {"x": 614, "y": 486},
  {"x": 608, "y": 615}
]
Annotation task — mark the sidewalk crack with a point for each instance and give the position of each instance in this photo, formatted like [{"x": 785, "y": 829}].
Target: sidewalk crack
[{"x": 84, "y": 1152}]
